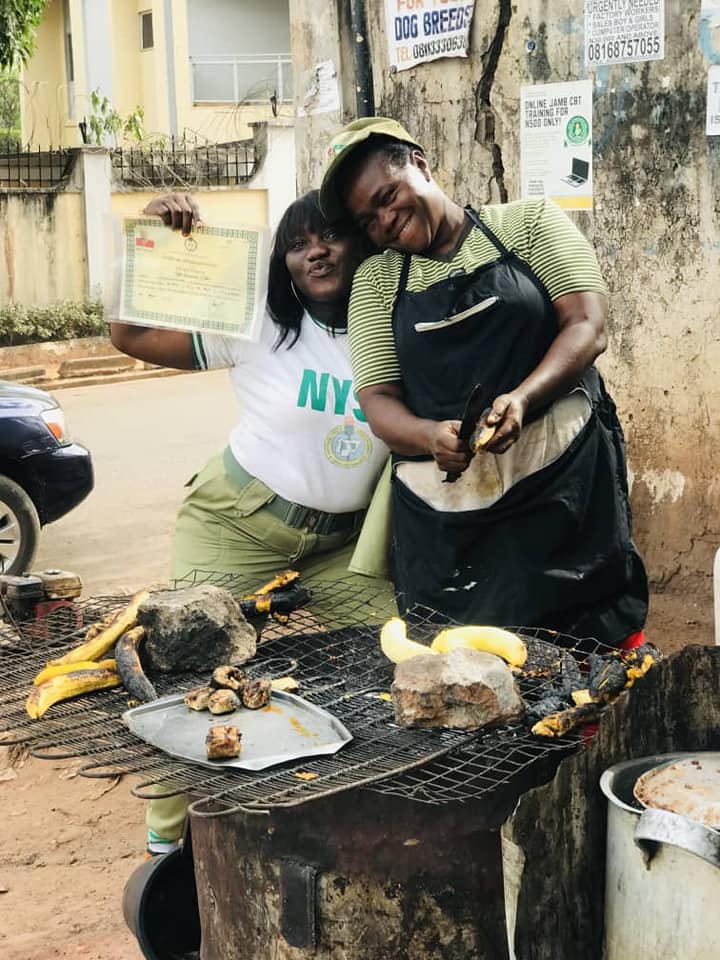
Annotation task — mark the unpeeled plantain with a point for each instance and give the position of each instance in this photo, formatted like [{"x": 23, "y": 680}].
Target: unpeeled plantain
[
  {"x": 67, "y": 685},
  {"x": 94, "y": 647}
]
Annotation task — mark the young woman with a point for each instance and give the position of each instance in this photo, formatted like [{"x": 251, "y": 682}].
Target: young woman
[
  {"x": 537, "y": 530},
  {"x": 291, "y": 488}
]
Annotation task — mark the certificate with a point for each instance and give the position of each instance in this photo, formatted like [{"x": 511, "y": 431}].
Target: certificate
[{"x": 213, "y": 281}]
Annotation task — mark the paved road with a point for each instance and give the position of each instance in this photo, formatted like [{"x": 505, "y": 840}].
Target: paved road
[{"x": 147, "y": 438}]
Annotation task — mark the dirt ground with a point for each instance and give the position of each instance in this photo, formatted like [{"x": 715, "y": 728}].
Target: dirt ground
[{"x": 68, "y": 846}]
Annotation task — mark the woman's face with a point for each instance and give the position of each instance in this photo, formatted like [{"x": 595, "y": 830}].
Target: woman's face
[
  {"x": 397, "y": 207},
  {"x": 321, "y": 264}
]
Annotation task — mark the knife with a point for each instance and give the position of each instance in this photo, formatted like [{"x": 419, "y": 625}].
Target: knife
[{"x": 475, "y": 409}]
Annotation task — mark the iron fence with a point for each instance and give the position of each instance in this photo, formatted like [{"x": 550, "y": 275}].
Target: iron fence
[
  {"x": 184, "y": 164},
  {"x": 25, "y": 168}
]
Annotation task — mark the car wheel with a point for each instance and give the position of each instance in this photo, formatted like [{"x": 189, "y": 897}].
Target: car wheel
[{"x": 19, "y": 528}]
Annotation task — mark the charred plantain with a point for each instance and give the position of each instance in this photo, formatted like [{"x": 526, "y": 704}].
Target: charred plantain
[
  {"x": 256, "y": 693},
  {"x": 49, "y": 672},
  {"x": 127, "y": 657},
  {"x": 198, "y": 698},
  {"x": 565, "y": 721},
  {"x": 543, "y": 708},
  {"x": 223, "y": 701},
  {"x": 279, "y": 604},
  {"x": 101, "y": 642},
  {"x": 227, "y": 677},
  {"x": 223, "y": 742},
  {"x": 68, "y": 685},
  {"x": 281, "y": 580},
  {"x": 610, "y": 680}
]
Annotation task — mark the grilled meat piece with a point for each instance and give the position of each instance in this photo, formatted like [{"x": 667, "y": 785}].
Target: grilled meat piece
[
  {"x": 223, "y": 742},
  {"x": 256, "y": 693},
  {"x": 223, "y": 701},
  {"x": 227, "y": 677},
  {"x": 198, "y": 698}
]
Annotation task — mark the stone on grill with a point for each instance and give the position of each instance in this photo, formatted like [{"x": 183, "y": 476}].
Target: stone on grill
[
  {"x": 195, "y": 629},
  {"x": 463, "y": 689}
]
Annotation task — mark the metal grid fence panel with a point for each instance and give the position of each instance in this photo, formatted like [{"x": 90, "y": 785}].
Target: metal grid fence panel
[
  {"x": 22, "y": 169},
  {"x": 184, "y": 164}
]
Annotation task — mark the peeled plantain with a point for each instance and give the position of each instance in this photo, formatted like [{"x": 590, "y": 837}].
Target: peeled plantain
[
  {"x": 397, "y": 646},
  {"x": 129, "y": 667},
  {"x": 56, "y": 671},
  {"x": 99, "y": 644},
  {"x": 68, "y": 685},
  {"x": 502, "y": 643}
]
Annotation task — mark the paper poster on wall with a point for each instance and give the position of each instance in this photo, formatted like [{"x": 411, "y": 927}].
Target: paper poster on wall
[
  {"x": 624, "y": 31},
  {"x": 712, "y": 127},
  {"x": 556, "y": 143},
  {"x": 710, "y": 30},
  {"x": 422, "y": 30},
  {"x": 322, "y": 93}
]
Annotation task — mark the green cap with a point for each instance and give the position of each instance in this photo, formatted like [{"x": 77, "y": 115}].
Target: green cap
[{"x": 342, "y": 146}]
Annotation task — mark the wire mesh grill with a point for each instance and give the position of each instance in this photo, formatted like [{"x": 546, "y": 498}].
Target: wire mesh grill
[{"x": 339, "y": 667}]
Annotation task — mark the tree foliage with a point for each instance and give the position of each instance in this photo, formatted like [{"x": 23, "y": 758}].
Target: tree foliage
[{"x": 19, "y": 20}]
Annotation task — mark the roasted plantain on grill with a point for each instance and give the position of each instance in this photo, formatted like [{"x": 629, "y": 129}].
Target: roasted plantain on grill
[
  {"x": 99, "y": 643},
  {"x": 198, "y": 698},
  {"x": 227, "y": 677},
  {"x": 565, "y": 721},
  {"x": 129, "y": 666},
  {"x": 68, "y": 685},
  {"x": 256, "y": 693}
]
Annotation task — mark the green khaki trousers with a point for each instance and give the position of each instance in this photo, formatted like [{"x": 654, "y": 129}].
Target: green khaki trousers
[{"x": 223, "y": 529}]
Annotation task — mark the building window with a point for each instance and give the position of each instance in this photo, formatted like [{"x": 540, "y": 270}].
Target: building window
[{"x": 146, "y": 30}]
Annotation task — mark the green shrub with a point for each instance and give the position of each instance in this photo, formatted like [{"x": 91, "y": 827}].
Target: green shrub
[
  {"x": 65, "y": 320},
  {"x": 9, "y": 139}
]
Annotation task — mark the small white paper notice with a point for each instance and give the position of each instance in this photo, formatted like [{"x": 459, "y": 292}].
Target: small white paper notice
[{"x": 713, "y": 102}]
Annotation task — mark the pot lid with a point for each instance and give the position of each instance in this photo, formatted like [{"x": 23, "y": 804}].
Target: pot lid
[{"x": 689, "y": 787}]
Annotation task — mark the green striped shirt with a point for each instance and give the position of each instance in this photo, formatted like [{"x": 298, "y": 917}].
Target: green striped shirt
[{"x": 536, "y": 230}]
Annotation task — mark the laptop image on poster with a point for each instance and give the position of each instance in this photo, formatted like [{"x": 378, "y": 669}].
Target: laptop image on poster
[{"x": 578, "y": 173}]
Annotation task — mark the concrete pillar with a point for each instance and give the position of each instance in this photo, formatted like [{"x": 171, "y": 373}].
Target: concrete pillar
[
  {"x": 275, "y": 144},
  {"x": 97, "y": 179}
]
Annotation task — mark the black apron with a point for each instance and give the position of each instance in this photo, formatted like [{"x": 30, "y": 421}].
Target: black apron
[{"x": 555, "y": 550}]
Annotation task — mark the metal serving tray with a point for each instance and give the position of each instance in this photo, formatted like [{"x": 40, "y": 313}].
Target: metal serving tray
[{"x": 288, "y": 728}]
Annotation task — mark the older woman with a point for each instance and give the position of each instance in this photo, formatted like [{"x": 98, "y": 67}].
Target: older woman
[{"x": 537, "y": 530}]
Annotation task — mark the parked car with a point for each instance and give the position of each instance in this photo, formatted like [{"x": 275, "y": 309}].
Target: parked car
[{"x": 43, "y": 474}]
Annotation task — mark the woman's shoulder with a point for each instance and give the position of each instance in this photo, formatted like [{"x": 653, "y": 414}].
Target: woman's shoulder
[{"x": 387, "y": 263}]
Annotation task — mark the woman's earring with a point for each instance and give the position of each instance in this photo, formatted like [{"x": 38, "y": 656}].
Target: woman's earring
[{"x": 297, "y": 295}]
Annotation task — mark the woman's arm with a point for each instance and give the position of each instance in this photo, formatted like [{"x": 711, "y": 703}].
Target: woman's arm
[
  {"x": 408, "y": 435},
  {"x": 581, "y": 338},
  {"x": 168, "y": 348}
]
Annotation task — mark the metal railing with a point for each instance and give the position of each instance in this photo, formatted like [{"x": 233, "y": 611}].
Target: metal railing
[
  {"x": 24, "y": 168},
  {"x": 242, "y": 78},
  {"x": 184, "y": 164}
]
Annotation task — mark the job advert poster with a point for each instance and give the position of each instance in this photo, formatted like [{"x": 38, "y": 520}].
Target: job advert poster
[
  {"x": 624, "y": 31},
  {"x": 556, "y": 143},
  {"x": 423, "y": 30}
]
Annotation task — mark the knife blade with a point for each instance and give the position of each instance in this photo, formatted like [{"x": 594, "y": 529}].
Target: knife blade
[{"x": 475, "y": 408}]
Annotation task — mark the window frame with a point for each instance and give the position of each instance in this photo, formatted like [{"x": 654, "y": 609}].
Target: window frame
[{"x": 142, "y": 14}]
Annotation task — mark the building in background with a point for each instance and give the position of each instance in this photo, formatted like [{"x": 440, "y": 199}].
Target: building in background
[{"x": 201, "y": 69}]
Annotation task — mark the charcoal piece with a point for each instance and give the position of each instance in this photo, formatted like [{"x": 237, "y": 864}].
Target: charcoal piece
[
  {"x": 463, "y": 689},
  {"x": 256, "y": 694},
  {"x": 197, "y": 629},
  {"x": 544, "y": 707},
  {"x": 223, "y": 701}
]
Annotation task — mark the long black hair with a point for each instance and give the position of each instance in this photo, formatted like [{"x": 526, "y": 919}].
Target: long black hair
[{"x": 283, "y": 301}]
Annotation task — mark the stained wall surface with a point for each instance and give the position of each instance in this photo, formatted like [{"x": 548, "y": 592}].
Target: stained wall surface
[{"x": 655, "y": 226}]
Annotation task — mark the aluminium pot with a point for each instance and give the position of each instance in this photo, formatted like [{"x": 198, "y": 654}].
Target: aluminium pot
[{"x": 662, "y": 887}]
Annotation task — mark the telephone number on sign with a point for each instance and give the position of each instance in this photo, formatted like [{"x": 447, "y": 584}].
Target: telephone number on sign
[
  {"x": 433, "y": 47},
  {"x": 621, "y": 49}
]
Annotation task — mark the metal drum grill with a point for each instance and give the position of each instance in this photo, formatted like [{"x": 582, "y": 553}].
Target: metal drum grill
[{"x": 339, "y": 668}]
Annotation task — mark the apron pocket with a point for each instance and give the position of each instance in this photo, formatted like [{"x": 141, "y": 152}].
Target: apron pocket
[{"x": 450, "y": 321}]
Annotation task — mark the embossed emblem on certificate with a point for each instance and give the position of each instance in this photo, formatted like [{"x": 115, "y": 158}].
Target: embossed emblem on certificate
[{"x": 214, "y": 280}]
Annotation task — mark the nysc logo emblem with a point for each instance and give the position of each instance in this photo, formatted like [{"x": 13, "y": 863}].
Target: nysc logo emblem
[{"x": 347, "y": 446}]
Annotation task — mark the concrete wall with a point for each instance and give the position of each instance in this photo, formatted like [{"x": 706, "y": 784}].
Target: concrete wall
[{"x": 655, "y": 226}]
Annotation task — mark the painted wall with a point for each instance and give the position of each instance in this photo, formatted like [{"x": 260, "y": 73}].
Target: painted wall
[
  {"x": 655, "y": 226},
  {"x": 51, "y": 225}
]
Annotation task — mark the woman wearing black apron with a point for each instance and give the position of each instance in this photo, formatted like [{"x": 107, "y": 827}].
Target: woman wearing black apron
[{"x": 537, "y": 529}]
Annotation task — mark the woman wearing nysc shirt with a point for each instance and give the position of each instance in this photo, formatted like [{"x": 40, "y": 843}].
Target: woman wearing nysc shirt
[{"x": 537, "y": 530}]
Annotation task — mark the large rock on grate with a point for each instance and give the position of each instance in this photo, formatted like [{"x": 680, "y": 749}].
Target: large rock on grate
[
  {"x": 198, "y": 628},
  {"x": 463, "y": 689}
]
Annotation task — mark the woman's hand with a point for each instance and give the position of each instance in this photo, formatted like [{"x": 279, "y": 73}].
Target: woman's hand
[
  {"x": 451, "y": 454},
  {"x": 179, "y": 211},
  {"x": 506, "y": 415}
]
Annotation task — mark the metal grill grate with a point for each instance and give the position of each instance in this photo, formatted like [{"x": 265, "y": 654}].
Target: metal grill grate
[{"x": 340, "y": 668}]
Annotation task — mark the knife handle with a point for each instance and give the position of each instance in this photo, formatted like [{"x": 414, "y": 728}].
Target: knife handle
[{"x": 451, "y": 477}]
